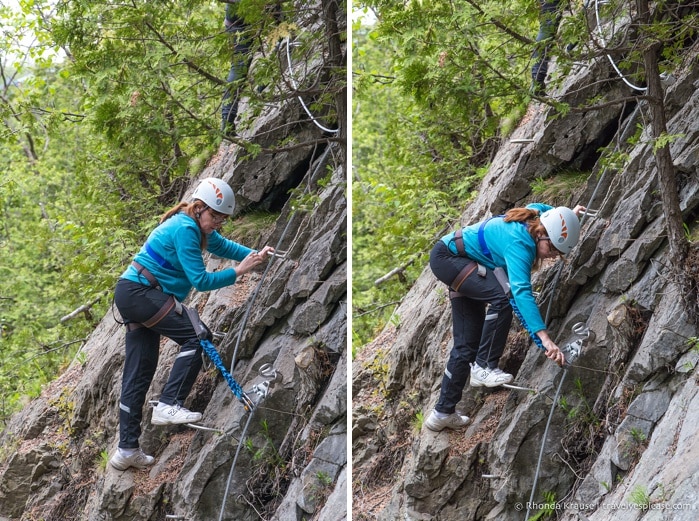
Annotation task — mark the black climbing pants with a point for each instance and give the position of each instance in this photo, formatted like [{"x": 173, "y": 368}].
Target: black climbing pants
[
  {"x": 138, "y": 303},
  {"x": 480, "y": 334}
]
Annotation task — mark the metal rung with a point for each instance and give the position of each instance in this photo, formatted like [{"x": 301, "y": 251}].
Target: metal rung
[
  {"x": 521, "y": 141},
  {"x": 491, "y": 476},
  {"x": 518, "y": 388},
  {"x": 279, "y": 254},
  {"x": 174, "y": 516},
  {"x": 203, "y": 428}
]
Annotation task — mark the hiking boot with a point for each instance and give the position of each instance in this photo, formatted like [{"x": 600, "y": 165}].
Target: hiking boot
[
  {"x": 488, "y": 377},
  {"x": 173, "y": 415},
  {"x": 453, "y": 421},
  {"x": 138, "y": 459}
]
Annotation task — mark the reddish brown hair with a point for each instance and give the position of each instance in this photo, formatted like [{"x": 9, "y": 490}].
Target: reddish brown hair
[{"x": 529, "y": 217}]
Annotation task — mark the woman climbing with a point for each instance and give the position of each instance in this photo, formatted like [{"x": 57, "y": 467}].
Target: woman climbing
[
  {"x": 148, "y": 296},
  {"x": 476, "y": 262}
]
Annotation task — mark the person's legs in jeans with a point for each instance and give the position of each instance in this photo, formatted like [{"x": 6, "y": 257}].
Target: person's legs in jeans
[
  {"x": 238, "y": 71},
  {"x": 467, "y": 322},
  {"x": 496, "y": 326},
  {"x": 550, "y": 18},
  {"x": 138, "y": 303}
]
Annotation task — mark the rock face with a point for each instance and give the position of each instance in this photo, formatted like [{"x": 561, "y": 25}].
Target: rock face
[
  {"x": 620, "y": 444},
  {"x": 287, "y": 459}
]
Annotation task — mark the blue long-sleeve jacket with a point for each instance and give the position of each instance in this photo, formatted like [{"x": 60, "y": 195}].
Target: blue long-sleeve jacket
[
  {"x": 177, "y": 241},
  {"x": 513, "y": 249}
]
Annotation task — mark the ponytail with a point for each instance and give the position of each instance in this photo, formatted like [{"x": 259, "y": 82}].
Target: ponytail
[{"x": 192, "y": 209}]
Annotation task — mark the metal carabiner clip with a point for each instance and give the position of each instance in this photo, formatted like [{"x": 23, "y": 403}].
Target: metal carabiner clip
[
  {"x": 267, "y": 371},
  {"x": 581, "y": 329}
]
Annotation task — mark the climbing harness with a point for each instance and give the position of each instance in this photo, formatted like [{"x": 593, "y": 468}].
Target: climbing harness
[
  {"x": 202, "y": 333},
  {"x": 158, "y": 258},
  {"x": 213, "y": 355},
  {"x": 501, "y": 275},
  {"x": 295, "y": 86},
  {"x": 170, "y": 304}
]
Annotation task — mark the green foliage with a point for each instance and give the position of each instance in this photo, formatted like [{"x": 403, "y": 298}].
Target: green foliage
[
  {"x": 266, "y": 454},
  {"x": 103, "y": 460},
  {"x": 580, "y": 413},
  {"x": 640, "y": 497},
  {"x": 558, "y": 187},
  {"x": 418, "y": 421},
  {"x": 107, "y": 113},
  {"x": 547, "y": 508}
]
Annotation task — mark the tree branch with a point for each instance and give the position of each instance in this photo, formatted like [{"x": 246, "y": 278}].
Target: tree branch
[
  {"x": 187, "y": 62},
  {"x": 399, "y": 271},
  {"x": 500, "y": 25},
  {"x": 85, "y": 308}
]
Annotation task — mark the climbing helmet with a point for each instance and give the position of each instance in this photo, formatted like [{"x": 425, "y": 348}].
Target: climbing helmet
[
  {"x": 216, "y": 194},
  {"x": 563, "y": 228}
]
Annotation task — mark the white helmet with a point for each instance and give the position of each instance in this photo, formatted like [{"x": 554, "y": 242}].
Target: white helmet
[
  {"x": 563, "y": 228},
  {"x": 216, "y": 194}
]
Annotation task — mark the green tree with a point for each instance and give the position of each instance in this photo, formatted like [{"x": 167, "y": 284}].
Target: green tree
[{"x": 107, "y": 110}]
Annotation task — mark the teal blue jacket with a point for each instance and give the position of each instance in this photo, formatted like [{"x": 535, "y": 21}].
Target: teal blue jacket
[
  {"x": 176, "y": 242},
  {"x": 512, "y": 249}
]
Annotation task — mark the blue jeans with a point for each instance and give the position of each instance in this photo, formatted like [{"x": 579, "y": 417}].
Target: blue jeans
[
  {"x": 479, "y": 334},
  {"x": 549, "y": 19},
  {"x": 238, "y": 71}
]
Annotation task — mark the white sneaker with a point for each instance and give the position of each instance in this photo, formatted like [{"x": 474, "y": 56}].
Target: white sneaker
[
  {"x": 164, "y": 414},
  {"x": 453, "y": 421},
  {"x": 138, "y": 459},
  {"x": 481, "y": 376}
]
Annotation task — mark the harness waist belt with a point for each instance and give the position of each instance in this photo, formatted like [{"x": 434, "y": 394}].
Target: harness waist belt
[{"x": 168, "y": 306}]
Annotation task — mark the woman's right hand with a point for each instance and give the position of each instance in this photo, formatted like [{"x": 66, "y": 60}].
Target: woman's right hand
[{"x": 553, "y": 352}]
